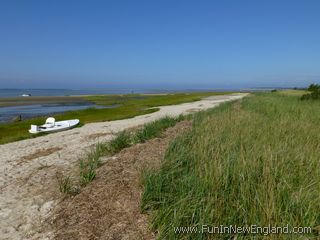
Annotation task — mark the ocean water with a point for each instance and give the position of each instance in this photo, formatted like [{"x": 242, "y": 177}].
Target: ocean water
[{"x": 5, "y": 93}]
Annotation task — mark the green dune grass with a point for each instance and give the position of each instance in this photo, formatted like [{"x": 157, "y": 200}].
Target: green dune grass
[
  {"x": 255, "y": 161},
  {"x": 293, "y": 92}
]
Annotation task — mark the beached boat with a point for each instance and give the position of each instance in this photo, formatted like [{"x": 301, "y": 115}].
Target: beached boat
[{"x": 52, "y": 126}]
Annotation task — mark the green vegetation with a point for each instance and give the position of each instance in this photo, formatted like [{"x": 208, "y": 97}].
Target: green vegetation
[
  {"x": 293, "y": 92},
  {"x": 314, "y": 93},
  {"x": 87, "y": 170},
  {"x": 127, "y": 106},
  {"x": 154, "y": 129},
  {"x": 92, "y": 160},
  {"x": 90, "y": 163},
  {"x": 150, "y": 130},
  {"x": 66, "y": 186},
  {"x": 20, "y": 101},
  {"x": 314, "y": 87},
  {"x": 121, "y": 141},
  {"x": 255, "y": 161}
]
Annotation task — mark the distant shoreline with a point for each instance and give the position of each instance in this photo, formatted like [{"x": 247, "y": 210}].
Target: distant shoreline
[{"x": 17, "y": 93}]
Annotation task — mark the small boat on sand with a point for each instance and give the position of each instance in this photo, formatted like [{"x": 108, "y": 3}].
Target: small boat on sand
[{"x": 52, "y": 126}]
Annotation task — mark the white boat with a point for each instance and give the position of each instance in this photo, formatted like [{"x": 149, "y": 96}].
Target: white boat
[
  {"x": 52, "y": 126},
  {"x": 26, "y": 95}
]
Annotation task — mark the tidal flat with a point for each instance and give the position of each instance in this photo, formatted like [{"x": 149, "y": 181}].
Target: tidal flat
[{"x": 127, "y": 106}]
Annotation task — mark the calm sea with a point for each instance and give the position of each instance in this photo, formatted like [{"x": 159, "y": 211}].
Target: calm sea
[{"x": 4, "y": 93}]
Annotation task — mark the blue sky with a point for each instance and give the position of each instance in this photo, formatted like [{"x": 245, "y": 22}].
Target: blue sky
[{"x": 159, "y": 44}]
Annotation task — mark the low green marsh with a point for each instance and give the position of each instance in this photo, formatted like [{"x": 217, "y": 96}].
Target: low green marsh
[{"x": 129, "y": 106}]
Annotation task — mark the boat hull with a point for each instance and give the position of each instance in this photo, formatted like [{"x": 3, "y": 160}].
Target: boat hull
[{"x": 59, "y": 126}]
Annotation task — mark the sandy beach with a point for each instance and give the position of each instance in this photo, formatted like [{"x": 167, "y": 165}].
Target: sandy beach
[{"x": 28, "y": 183}]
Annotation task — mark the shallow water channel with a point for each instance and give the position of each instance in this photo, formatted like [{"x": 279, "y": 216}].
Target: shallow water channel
[{"x": 29, "y": 111}]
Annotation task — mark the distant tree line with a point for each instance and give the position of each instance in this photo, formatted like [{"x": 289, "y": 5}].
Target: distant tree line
[{"x": 314, "y": 90}]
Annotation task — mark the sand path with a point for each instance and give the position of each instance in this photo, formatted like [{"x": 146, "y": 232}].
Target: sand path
[{"x": 28, "y": 168}]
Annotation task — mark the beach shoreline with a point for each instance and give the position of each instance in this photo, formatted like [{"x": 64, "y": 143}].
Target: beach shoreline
[
  {"x": 92, "y": 108},
  {"x": 30, "y": 167}
]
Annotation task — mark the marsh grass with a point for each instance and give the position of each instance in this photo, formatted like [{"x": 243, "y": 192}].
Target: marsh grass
[
  {"x": 250, "y": 162},
  {"x": 128, "y": 106}
]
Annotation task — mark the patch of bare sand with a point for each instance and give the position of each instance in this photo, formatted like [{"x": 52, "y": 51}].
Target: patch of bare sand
[
  {"x": 38, "y": 153},
  {"x": 97, "y": 135},
  {"x": 109, "y": 207}
]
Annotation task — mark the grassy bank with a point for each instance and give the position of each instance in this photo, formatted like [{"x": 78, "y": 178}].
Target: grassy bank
[
  {"x": 250, "y": 162},
  {"x": 293, "y": 92},
  {"x": 89, "y": 163},
  {"x": 128, "y": 106}
]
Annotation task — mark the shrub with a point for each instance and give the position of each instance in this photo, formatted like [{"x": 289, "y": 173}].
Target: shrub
[
  {"x": 315, "y": 93},
  {"x": 314, "y": 87}
]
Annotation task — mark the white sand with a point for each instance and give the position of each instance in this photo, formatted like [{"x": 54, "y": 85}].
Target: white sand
[{"x": 28, "y": 185}]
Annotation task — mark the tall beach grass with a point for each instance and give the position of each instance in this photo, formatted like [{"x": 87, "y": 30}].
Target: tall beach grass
[{"x": 251, "y": 162}]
